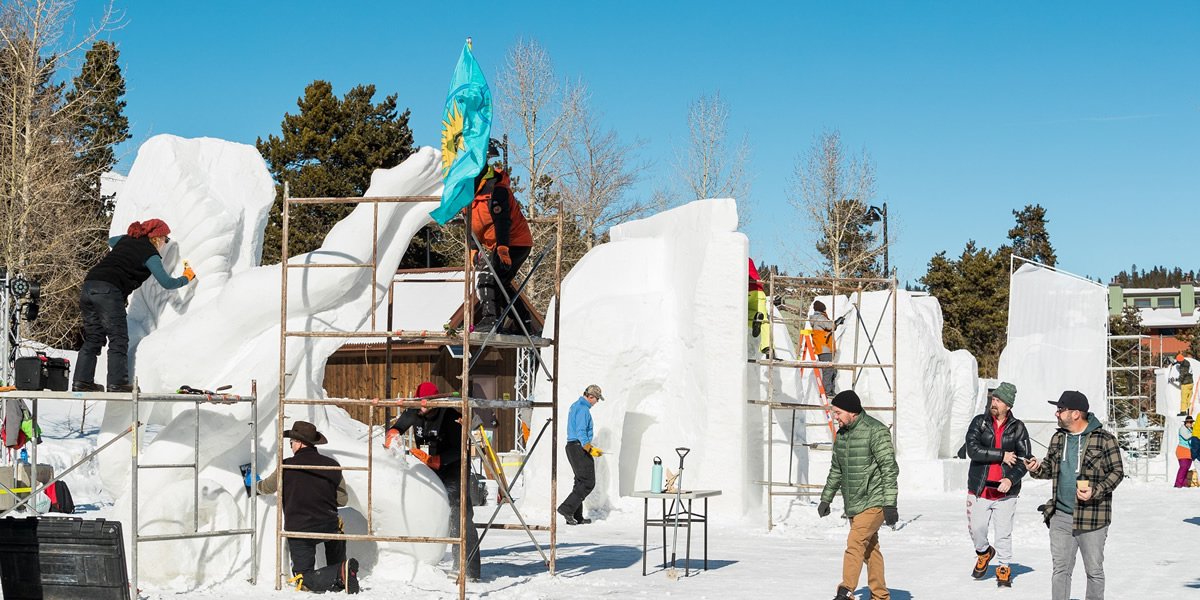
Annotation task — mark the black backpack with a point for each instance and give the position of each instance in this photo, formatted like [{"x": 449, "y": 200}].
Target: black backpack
[{"x": 64, "y": 504}]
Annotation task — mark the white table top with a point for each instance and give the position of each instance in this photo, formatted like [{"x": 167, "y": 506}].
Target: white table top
[{"x": 685, "y": 495}]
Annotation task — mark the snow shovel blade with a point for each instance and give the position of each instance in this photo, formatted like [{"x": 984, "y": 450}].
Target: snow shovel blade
[{"x": 673, "y": 574}]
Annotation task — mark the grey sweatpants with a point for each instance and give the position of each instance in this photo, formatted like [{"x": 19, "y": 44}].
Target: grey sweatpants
[
  {"x": 1064, "y": 543},
  {"x": 1001, "y": 512}
]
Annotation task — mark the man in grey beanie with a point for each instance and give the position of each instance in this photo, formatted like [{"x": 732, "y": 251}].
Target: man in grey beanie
[{"x": 997, "y": 443}]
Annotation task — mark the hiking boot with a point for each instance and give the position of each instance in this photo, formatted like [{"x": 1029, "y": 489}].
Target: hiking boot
[
  {"x": 121, "y": 388},
  {"x": 844, "y": 593},
  {"x": 568, "y": 516},
  {"x": 349, "y": 576},
  {"x": 579, "y": 518},
  {"x": 1003, "y": 576},
  {"x": 981, "y": 563},
  {"x": 86, "y": 386}
]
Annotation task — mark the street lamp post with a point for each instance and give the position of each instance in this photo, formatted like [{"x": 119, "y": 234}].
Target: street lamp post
[{"x": 874, "y": 215}]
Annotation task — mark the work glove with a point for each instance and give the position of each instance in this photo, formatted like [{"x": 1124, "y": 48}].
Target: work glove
[
  {"x": 839, "y": 320},
  {"x": 189, "y": 273},
  {"x": 823, "y": 509},
  {"x": 390, "y": 437},
  {"x": 756, "y": 329},
  {"x": 890, "y": 515},
  {"x": 596, "y": 452},
  {"x": 502, "y": 254},
  {"x": 777, "y": 300},
  {"x": 249, "y": 477}
]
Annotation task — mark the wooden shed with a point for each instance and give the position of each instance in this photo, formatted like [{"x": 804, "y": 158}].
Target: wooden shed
[{"x": 424, "y": 299}]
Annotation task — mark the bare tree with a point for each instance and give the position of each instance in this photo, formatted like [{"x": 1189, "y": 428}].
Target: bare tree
[
  {"x": 832, "y": 192},
  {"x": 709, "y": 166},
  {"x": 47, "y": 231},
  {"x": 541, "y": 111},
  {"x": 599, "y": 175}
]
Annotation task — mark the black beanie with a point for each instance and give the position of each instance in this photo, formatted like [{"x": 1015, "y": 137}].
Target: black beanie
[{"x": 848, "y": 401}]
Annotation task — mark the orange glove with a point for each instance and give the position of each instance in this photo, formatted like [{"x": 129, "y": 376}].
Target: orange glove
[
  {"x": 502, "y": 254},
  {"x": 189, "y": 273},
  {"x": 390, "y": 437},
  {"x": 433, "y": 462}
]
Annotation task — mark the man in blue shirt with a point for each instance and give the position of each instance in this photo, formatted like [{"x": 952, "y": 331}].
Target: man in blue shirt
[{"x": 581, "y": 454}]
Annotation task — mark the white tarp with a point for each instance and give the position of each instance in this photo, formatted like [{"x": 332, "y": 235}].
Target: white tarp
[{"x": 1057, "y": 341}]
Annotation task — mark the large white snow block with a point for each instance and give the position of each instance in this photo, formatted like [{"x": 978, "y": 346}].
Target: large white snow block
[{"x": 657, "y": 318}]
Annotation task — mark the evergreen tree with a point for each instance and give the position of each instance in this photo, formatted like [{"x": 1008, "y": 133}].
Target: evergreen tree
[
  {"x": 100, "y": 122},
  {"x": 1029, "y": 237},
  {"x": 330, "y": 149}
]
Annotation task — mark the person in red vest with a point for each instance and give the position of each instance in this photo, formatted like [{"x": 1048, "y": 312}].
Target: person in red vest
[
  {"x": 499, "y": 225},
  {"x": 997, "y": 443}
]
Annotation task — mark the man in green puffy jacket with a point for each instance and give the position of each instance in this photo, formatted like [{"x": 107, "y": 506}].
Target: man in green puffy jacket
[{"x": 864, "y": 470}]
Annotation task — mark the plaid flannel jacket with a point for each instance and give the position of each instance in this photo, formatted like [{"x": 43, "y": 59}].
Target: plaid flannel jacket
[{"x": 1101, "y": 465}]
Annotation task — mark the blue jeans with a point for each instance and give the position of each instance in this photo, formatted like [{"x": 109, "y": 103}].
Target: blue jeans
[{"x": 102, "y": 306}]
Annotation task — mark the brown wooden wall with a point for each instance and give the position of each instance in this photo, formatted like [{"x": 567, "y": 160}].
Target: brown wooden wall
[{"x": 361, "y": 372}]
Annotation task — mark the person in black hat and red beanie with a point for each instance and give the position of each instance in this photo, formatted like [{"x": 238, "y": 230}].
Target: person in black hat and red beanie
[
  {"x": 864, "y": 470},
  {"x": 310, "y": 501},
  {"x": 1084, "y": 462}
]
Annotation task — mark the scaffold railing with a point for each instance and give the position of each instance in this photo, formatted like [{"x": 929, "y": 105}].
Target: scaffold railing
[
  {"x": 791, "y": 296},
  {"x": 473, "y": 344}
]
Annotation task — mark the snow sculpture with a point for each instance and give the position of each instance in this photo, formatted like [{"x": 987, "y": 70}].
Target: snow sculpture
[{"x": 226, "y": 330}]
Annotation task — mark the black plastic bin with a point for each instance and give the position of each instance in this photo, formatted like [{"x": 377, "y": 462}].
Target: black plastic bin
[{"x": 62, "y": 558}]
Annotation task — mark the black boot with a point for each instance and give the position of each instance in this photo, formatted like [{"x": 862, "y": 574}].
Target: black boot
[
  {"x": 349, "y": 576},
  {"x": 844, "y": 593},
  {"x": 981, "y": 562},
  {"x": 86, "y": 386},
  {"x": 123, "y": 388}
]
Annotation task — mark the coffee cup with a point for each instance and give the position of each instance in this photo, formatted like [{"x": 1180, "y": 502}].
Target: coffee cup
[{"x": 1083, "y": 484}]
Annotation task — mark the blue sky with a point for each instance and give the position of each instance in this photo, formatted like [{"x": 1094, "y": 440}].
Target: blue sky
[{"x": 968, "y": 110}]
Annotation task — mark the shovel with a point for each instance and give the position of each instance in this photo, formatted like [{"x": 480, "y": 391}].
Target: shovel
[{"x": 677, "y": 505}]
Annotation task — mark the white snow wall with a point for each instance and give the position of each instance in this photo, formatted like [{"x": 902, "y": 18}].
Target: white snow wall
[
  {"x": 1057, "y": 341},
  {"x": 936, "y": 389},
  {"x": 226, "y": 330},
  {"x": 657, "y": 318}
]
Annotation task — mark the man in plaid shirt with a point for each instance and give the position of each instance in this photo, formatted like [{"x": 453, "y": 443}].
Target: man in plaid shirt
[{"x": 1084, "y": 461}]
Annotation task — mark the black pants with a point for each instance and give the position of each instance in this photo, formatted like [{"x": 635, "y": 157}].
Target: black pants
[
  {"x": 492, "y": 301},
  {"x": 304, "y": 559},
  {"x": 450, "y": 479},
  {"x": 584, "y": 467},
  {"x": 102, "y": 306}
]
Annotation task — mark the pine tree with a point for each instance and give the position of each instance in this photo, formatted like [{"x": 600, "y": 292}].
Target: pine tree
[
  {"x": 1029, "y": 237},
  {"x": 101, "y": 122},
  {"x": 330, "y": 148}
]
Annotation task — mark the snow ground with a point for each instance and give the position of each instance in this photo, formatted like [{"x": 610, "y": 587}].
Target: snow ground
[
  {"x": 1155, "y": 527},
  {"x": 930, "y": 558}
]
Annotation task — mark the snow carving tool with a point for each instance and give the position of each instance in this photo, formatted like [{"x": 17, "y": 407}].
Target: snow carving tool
[{"x": 677, "y": 505}]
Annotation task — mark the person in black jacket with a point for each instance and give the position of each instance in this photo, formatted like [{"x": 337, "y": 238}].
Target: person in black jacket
[
  {"x": 105, "y": 292},
  {"x": 310, "y": 503},
  {"x": 438, "y": 435},
  {"x": 997, "y": 443}
]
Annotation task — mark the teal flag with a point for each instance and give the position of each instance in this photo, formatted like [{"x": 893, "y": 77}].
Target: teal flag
[{"x": 466, "y": 129}]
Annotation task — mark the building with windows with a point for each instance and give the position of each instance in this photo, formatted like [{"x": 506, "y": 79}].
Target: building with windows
[{"x": 1164, "y": 311}]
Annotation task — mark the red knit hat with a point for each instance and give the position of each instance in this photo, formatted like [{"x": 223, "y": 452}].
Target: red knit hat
[
  {"x": 149, "y": 228},
  {"x": 426, "y": 389}
]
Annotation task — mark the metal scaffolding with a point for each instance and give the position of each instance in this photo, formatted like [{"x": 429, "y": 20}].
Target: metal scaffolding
[
  {"x": 792, "y": 296},
  {"x": 134, "y": 431},
  {"x": 474, "y": 345},
  {"x": 1130, "y": 399}
]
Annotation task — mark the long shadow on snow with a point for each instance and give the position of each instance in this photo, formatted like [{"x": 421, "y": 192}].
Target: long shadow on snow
[
  {"x": 1192, "y": 520},
  {"x": 578, "y": 559}
]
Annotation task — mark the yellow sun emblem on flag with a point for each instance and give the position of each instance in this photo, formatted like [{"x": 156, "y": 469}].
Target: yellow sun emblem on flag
[{"x": 452, "y": 138}]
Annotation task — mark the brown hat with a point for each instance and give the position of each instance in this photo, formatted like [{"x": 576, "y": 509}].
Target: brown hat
[
  {"x": 593, "y": 391},
  {"x": 305, "y": 432}
]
